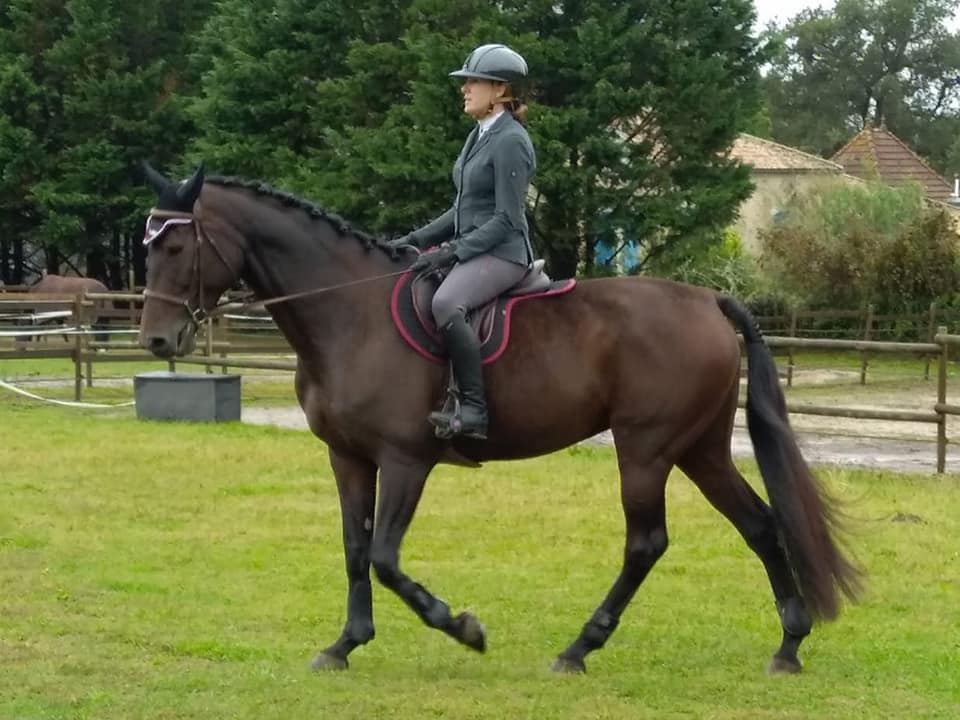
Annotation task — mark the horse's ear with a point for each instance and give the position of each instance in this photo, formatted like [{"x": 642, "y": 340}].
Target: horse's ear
[
  {"x": 189, "y": 191},
  {"x": 154, "y": 179}
]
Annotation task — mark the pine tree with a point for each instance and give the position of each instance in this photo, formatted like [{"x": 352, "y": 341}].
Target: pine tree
[{"x": 100, "y": 78}]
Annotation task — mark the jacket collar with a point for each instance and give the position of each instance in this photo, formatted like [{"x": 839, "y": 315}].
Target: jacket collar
[{"x": 482, "y": 140}]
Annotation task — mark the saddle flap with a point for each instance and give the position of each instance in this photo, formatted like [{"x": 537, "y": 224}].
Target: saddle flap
[{"x": 410, "y": 306}]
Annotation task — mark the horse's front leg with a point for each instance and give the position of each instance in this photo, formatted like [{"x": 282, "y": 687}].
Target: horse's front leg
[
  {"x": 401, "y": 484},
  {"x": 357, "y": 485}
]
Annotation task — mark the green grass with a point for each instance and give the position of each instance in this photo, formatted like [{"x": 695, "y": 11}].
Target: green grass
[
  {"x": 191, "y": 571},
  {"x": 113, "y": 382}
]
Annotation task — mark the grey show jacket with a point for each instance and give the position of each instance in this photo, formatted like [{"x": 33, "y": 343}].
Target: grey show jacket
[{"x": 491, "y": 175}]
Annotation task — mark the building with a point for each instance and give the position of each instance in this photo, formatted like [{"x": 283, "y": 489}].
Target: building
[
  {"x": 779, "y": 173},
  {"x": 875, "y": 153}
]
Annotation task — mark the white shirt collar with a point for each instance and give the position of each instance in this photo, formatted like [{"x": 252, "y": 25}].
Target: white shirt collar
[{"x": 488, "y": 121}]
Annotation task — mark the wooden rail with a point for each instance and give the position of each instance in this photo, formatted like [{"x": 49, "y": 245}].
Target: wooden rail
[{"x": 230, "y": 343}]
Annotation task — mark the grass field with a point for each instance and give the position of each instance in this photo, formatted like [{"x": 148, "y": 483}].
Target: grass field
[{"x": 181, "y": 571}]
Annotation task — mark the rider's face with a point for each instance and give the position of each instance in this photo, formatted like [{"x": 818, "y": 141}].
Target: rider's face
[{"x": 480, "y": 96}]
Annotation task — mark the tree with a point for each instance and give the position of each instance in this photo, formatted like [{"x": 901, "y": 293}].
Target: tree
[
  {"x": 262, "y": 111},
  {"x": 633, "y": 106},
  {"x": 863, "y": 63},
  {"x": 94, "y": 91}
]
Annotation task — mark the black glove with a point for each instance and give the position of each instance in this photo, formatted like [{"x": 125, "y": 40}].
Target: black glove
[{"x": 435, "y": 259}]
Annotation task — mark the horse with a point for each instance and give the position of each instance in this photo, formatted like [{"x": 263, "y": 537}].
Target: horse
[
  {"x": 656, "y": 362},
  {"x": 51, "y": 284}
]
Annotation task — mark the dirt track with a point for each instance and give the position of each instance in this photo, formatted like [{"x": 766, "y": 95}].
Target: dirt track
[
  {"x": 848, "y": 449},
  {"x": 883, "y": 445}
]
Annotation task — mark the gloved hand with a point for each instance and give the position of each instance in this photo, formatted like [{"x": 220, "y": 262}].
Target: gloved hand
[
  {"x": 442, "y": 257},
  {"x": 402, "y": 243}
]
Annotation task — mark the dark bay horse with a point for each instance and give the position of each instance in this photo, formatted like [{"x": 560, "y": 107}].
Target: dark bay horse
[{"x": 657, "y": 362}]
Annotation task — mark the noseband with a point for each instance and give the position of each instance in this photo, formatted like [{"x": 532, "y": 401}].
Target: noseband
[{"x": 198, "y": 313}]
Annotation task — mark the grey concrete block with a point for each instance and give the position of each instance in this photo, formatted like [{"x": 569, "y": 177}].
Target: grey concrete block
[{"x": 163, "y": 395}]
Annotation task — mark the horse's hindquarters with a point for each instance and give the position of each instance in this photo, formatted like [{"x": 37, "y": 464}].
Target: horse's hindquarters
[{"x": 612, "y": 354}]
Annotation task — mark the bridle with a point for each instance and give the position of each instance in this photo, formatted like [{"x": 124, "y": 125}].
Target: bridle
[{"x": 197, "y": 312}]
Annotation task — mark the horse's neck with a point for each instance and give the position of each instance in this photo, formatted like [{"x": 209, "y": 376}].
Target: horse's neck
[{"x": 286, "y": 257}]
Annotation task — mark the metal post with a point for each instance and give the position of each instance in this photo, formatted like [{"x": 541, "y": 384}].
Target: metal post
[
  {"x": 77, "y": 350},
  {"x": 931, "y": 331},
  {"x": 86, "y": 340},
  {"x": 867, "y": 331},
  {"x": 209, "y": 347},
  {"x": 941, "y": 402},
  {"x": 224, "y": 335},
  {"x": 793, "y": 333}
]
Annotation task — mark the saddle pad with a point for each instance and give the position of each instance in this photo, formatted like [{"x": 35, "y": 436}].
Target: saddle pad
[{"x": 409, "y": 308}]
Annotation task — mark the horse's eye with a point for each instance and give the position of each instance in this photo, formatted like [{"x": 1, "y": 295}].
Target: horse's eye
[{"x": 173, "y": 250}]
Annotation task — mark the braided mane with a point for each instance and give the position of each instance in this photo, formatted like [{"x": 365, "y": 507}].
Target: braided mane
[{"x": 312, "y": 209}]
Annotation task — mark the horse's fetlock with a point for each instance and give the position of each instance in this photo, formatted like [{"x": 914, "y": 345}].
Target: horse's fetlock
[
  {"x": 599, "y": 628},
  {"x": 437, "y": 614},
  {"x": 361, "y": 631},
  {"x": 794, "y": 618}
]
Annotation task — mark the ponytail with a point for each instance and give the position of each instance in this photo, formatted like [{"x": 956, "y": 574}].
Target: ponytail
[{"x": 518, "y": 109}]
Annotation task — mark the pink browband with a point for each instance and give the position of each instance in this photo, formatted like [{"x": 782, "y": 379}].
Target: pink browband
[{"x": 157, "y": 226}]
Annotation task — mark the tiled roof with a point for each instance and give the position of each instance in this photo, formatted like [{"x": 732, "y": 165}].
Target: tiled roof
[
  {"x": 768, "y": 156},
  {"x": 878, "y": 153}
]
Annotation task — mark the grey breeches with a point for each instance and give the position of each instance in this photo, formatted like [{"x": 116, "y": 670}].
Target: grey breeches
[{"x": 473, "y": 283}]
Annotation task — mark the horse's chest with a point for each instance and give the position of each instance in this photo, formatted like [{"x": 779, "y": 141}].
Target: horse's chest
[{"x": 332, "y": 415}]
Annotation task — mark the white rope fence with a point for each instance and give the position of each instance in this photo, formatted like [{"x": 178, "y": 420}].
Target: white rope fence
[
  {"x": 31, "y": 331},
  {"x": 64, "y": 403}
]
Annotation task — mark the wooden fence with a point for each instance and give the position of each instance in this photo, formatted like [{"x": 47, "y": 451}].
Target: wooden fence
[{"x": 242, "y": 341}]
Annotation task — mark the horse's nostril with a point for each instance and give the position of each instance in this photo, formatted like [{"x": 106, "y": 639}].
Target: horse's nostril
[{"x": 157, "y": 345}]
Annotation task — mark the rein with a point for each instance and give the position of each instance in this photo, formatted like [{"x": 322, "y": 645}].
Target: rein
[{"x": 199, "y": 314}]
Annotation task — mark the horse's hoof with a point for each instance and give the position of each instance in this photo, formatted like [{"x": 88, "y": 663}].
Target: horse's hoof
[
  {"x": 326, "y": 662},
  {"x": 568, "y": 666},
  {"x": 784, "y": 666},
  {"x": 470, "y": 632}
]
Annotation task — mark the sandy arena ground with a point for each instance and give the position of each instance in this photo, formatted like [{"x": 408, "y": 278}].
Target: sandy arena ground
[{"x": 877, "y": 444}]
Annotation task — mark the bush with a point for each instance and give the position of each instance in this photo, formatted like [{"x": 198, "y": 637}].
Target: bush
[
  {"x": 722, "y": 266},
  {"x": 846, "y": 246}
]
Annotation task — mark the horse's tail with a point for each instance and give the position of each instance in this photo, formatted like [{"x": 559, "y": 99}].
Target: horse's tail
[{"x": 803, "y": 512}]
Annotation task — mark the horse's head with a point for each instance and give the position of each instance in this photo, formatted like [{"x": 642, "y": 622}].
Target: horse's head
[{"x": 186, "y": 270}]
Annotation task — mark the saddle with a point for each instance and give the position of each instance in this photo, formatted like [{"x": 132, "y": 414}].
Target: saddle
[{"x": 411, "y": 302}]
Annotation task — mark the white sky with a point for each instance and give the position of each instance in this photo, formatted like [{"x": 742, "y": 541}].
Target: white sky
[{"x": 781, "y": 10}]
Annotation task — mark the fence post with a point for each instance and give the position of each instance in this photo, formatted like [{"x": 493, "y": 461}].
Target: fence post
[
  {"x": 941, "y": 403},
  {"x": 867, "y": 332},
  {"x": 78, "y": 349},
  {"x": 931, "y": 332}
]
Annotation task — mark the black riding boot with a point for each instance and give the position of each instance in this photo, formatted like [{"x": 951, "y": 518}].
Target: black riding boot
[{"x": 464, "y": 349}]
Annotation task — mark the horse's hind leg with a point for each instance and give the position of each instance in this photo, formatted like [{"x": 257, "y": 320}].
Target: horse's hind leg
[
  {"x": 711, "y": 467},
  {"x": 357, "y": 486},
  {"x": 642, "y": 483},
  {"x": 401, "y": 484}
]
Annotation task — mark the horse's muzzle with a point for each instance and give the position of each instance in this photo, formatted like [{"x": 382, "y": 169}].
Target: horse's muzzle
[
  {"x": 159, "y": 346},
  {"x": 166, "y": 346}
]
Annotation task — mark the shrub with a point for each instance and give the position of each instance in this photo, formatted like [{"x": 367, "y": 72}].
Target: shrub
[{"x": 845, "y": 246}]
